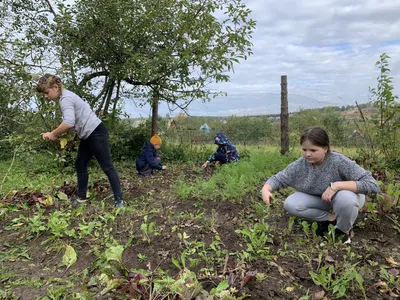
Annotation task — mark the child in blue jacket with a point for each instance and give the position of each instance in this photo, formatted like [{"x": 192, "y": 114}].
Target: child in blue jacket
[
  {"x": 148, "y": 158},
  {"x": 226, "y": 151}
]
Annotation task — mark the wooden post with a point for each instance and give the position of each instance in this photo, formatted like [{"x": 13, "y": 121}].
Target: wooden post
[
  {"x": 284, "y": 116},
  {"x": 154, "y": 119}
]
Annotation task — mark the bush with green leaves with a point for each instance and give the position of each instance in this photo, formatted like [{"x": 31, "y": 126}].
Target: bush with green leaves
[
  {"x": 245, "y": 130},
  {"x": 328, "y": 118},
  {"x": 127, "y": 141},
  {"x": 381, "y": 130}
]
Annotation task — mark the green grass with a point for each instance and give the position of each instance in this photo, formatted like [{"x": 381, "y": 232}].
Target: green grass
[
  {"x": 41, "y": 171},
  {"x": 36, "y": 172}
]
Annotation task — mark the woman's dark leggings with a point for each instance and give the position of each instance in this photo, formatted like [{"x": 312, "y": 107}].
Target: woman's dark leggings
[{"x": 96, "y": 145}]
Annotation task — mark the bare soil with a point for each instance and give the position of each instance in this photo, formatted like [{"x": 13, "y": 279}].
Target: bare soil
[{"x": 286, "y": 269}]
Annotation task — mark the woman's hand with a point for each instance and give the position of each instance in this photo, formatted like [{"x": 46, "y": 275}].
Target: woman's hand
[{"x": 266, "y": 194}]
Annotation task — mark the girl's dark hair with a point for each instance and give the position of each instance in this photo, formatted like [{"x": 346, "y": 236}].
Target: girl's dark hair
[
  {"x": 317, "y": 136},
  {"x": 47, "y": 81}
]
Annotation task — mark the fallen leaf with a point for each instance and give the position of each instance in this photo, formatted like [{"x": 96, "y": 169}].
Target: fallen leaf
[
  {"x": 319, "y": 295},
  {"x": 48, "y": 201},
  {"x": 383, "y": 287},
  {"x": 393, "y": 295},
  {"x": 69, "y": 257},
  {"x": 329, "y": 259},
  {"x": 231, "y": 279},
  {"x": 247, "y": 278},
  {"x": 392, "y": 262},
  {"x": 289, "y": 289},
  {"x": 394, "y": 272},
  {"x": 281, "y": 270},
  {"x": 62, "y": 196}
]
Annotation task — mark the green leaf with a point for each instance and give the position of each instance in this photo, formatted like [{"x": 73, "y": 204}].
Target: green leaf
[
  {"x": 63, "y": 142},
  {"x": 62, "y": 196},
  {"x": 115, "y": 253},
  {"x": 222, "y": 286},
  {"x": 69, "y": 257},
  {"x": 176, "y": 263}
]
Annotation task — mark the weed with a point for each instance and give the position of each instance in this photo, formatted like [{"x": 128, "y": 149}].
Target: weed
[
  {"x": 337, "y": 281},
  {"x": 59, "y": 293},
  {"x": 58, "y": 225},
  {"x": 85, "y": 229},
  {"x": 307, "y": 296},
  {"x": 306, "y": 227},
  {"x": 290, "y": 224},
  {"x": 258, "y": 238},
  {"x": 12, "y": 254},
  {"x": 148, "y": 229},
  {"x": 37, "y": 224},
  {"x": 183, "y": 190},
  {"x": 283, "y": 252},
  {"x": 372, "y": 211},
  {"x": 142, "y": 257},
  {"x": 392, "y": 281}
]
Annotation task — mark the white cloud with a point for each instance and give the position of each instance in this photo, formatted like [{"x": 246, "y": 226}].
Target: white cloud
[{"x": 327, "y": 48}]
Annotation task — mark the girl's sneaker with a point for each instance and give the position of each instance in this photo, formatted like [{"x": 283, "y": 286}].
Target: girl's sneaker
[
  {"x": 323, "y": 227},
  {"x": 78, "y": 202},
  {"x": 119, "y": 204},
  {"x": 344, "y": 237}
]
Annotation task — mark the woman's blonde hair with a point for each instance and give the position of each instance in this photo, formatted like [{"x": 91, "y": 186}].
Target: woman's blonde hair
[{"x": 48, "y": 81}]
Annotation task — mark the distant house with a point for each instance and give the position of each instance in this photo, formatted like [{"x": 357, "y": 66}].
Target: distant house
[
  {"x": 171, "y": 123},
  {"x": 205, "y": 128},
  {"x": 137, "y": 123}
]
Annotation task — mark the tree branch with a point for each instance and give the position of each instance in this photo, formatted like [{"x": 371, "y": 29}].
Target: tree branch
[
  {"x": 135, "y": 82},
  {"x": 51, "y": 8},
  {"x": 89, "y": 77}
]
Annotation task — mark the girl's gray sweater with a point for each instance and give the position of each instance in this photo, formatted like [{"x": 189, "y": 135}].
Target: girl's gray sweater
[{"x": 304, "y": 177}]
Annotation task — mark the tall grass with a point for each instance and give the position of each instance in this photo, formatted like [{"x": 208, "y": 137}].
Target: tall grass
[{"x": 233, "y": 181}]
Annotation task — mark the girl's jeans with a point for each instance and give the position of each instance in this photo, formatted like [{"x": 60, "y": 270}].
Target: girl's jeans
[
  {"x": 96, "y": 144},
  {"x": 345, "y": 204}
]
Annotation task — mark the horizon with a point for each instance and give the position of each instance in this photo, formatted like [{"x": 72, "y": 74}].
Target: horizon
[{"x": 259, "y": 106}]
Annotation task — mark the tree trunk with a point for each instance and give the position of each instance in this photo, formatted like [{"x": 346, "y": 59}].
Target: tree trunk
[
  {"x": 154, "y": 120},
  {"x": 284, "y": 116},
  {"x": 114, "y": 110},
  {"x": 105, "y": 92},
  {"x": 109, "y": 96}
]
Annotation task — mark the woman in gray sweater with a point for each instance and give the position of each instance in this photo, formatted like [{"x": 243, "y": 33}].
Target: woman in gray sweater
[
  {"x": 78, "y": 115},
  {"x": 329, "y": 186}
]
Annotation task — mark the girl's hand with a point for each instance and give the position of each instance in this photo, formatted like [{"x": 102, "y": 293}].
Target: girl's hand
[
  {"x": 205, "y": 164},
  {"x": 164, "y": 167},
  {"x": 328, "y": 195},
  {"x": 266, "y": 194},
  {"x": 48, "y": 136}
]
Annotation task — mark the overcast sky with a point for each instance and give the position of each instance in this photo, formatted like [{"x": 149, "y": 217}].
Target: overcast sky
[{"x": 327, "y": 48}]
